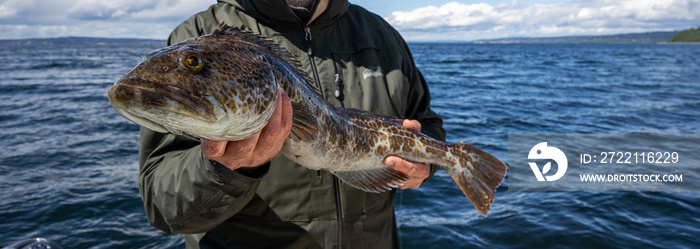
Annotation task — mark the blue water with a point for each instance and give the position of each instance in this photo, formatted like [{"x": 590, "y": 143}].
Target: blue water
[{"x": 68, "y": 161}]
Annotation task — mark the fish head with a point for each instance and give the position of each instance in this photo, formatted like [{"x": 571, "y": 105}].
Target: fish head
[{"x": 215, "y": 87}]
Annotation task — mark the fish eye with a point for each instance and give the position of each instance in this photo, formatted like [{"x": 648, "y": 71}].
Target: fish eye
[{"x": 192, "y": 62}]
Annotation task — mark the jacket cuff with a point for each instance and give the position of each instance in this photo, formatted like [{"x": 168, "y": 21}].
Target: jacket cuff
[
  {"x": 238, "y": 178},
  {"x": 433, "y": 169}
]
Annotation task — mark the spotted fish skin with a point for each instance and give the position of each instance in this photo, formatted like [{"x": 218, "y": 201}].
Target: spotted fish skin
[
  {"x": 233, "y": 92},
  {"x": 169, "y": 91}
]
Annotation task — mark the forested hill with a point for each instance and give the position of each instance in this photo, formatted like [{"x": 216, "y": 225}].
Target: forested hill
[{"x": 688, "y": 35}]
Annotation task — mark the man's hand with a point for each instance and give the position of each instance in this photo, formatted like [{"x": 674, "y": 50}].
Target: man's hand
[
  {"x": 258, "y": 148},
  {"x": 417, "y": 172}
]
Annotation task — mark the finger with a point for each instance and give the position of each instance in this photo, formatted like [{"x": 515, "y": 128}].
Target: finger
[
  {"x": 213, "y": 148},
  {"x": 242, "y": 149},
  {"x": 284, "y": 127},
  {"x": 400, "y": 165},
  {"x": 412, "y": 124},
  {"x": 417, "y": 172},
  {"x": 236, "y": 153},
  {"x": 287, "y": 113},
  {"x": 274, "y": 134},
  {"x": 269, "y": 133}
]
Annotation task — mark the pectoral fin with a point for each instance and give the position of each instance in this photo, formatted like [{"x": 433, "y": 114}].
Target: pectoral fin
[
  {"x": 304, "y": 124},
  {"x": 375, "y": 181}
]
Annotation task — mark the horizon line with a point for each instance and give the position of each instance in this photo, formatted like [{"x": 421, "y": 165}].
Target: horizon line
[{"x": 447, "y": 41}]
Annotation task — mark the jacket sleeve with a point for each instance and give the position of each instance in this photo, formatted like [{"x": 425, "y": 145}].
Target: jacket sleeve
[
  {"x": 418, "y": 107},
  {"x": 183, "y": 191}
]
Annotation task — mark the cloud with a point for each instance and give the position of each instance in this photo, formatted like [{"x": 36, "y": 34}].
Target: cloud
[
  {"x": 124, "y": 18},
  {"x": 135, "y": 10},
  {"x": 458, "y": 21},
  {"x": 109, "y": 10},
  {"x": 451, "y": 21},
  {"x": 9, "y": 9}
]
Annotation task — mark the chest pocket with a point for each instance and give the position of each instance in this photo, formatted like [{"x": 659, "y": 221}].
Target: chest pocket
[{"x": 373, "y": 81}]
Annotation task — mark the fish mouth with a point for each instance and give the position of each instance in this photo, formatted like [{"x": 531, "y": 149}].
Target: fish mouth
[{"x": 162, "y": 107}]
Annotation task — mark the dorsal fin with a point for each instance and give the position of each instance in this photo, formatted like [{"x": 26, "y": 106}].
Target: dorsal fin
[
  {"x": 269, "y": 45},
  {"x": 357, "y": 113}
]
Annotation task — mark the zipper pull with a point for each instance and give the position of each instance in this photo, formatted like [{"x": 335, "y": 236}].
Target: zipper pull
[
  {"x": 307, "y": 31},
  {"x": 338, "y": 83},
  {"x": 338, "y": 88},
  {"x": 307, "y": 37}
]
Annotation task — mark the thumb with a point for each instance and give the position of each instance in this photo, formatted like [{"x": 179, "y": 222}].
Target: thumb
[{"x": 412, "y": 124}]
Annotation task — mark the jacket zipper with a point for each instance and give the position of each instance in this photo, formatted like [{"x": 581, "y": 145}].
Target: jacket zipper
[
  {"x": 310, "y": 52},
  {"x": 336, "y": 182},
  {"x": 307, "y": 36}
]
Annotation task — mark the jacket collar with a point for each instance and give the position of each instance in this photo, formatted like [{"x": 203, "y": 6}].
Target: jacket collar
[{"x": 278, "y": 13}]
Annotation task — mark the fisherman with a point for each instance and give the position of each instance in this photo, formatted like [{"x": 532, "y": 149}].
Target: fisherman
[{"x": 231, "y": 194}]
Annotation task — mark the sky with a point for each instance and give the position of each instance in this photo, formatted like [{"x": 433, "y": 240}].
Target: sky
[{"x": 426, "y": 20}]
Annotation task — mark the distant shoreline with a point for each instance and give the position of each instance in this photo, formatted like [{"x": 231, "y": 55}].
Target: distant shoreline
[
  {"x": 74, "y": 41},
  {"x": 86, "y": 38},
  {"x": 631, "y": 38},
  {"x": 681, "y": 43}
]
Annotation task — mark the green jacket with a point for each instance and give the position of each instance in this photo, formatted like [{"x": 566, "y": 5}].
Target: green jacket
[{"x": 284, "y": 205}]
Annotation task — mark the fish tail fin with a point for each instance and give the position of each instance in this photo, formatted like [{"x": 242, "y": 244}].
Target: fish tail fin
[{"x": 477, "y": 173}]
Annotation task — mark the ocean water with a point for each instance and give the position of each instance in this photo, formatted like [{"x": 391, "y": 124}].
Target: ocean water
[{"x": 68, "y": 161}]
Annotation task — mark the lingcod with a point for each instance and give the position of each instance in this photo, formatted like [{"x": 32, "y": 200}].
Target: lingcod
[{"x": 223, "y": 86}]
